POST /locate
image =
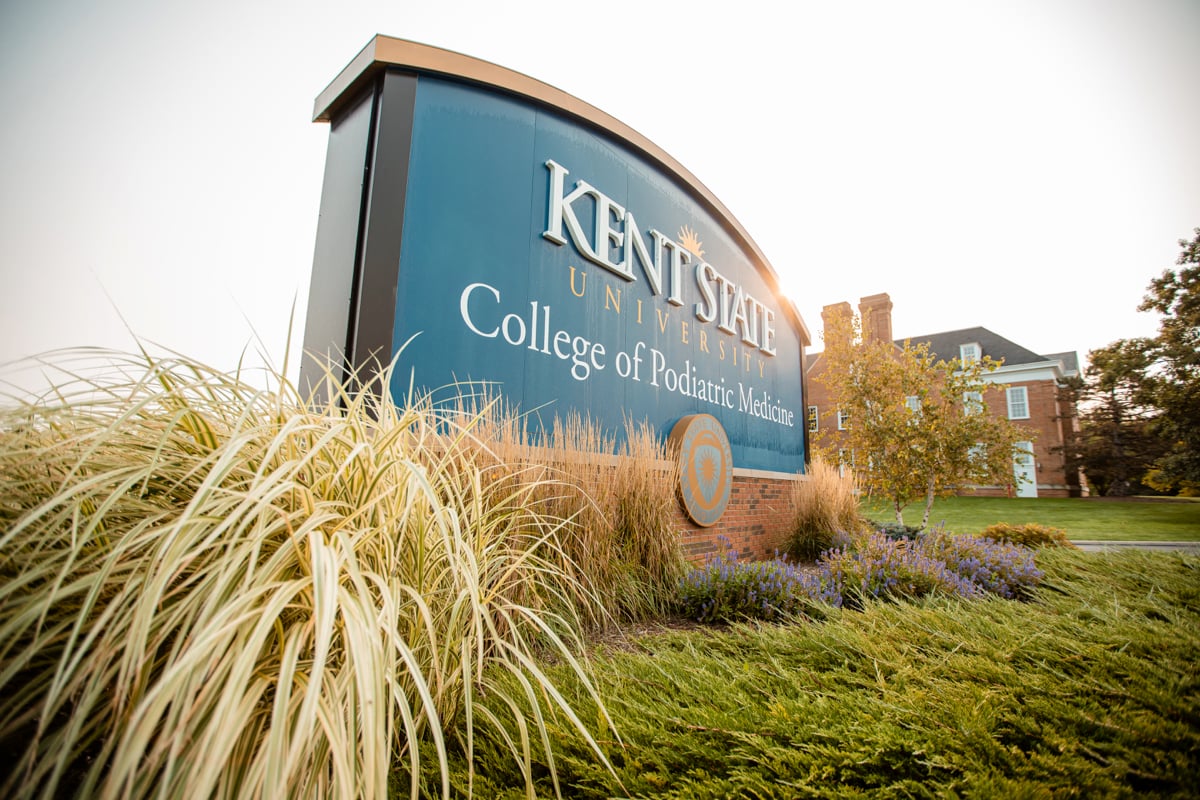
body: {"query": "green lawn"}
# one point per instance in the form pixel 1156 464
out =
pixel 1082 518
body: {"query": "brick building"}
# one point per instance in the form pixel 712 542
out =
pixel 1033 398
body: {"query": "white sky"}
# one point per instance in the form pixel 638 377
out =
pixel 1025 165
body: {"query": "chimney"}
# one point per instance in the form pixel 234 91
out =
pixel 876 313
pixel 833 312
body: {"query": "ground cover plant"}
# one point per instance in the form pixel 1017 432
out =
pixel 212 589
pixel 725 588
pixel 1106 519
pixel 1090 688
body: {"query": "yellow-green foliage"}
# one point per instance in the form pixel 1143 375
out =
pixel 207 589
pixel 913 429
pixel 1088 691
pixel 1031 534
pixel 824 503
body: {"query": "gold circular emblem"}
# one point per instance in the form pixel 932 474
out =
pixel 706 467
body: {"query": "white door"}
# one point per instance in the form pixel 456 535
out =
pixel 1024 471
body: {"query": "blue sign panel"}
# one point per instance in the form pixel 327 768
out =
pixel 554 262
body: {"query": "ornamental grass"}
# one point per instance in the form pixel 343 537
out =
pixel 616 495
pixel 211 589
pixel 824 504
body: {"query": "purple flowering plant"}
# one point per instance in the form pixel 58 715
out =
pixel 877 566
pixel 873 566
pixel 725 588
pixel 1000 568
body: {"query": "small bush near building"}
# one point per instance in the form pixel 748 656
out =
pixel 998 568
pixel 1030 534
pixel 878 567
pixel 894 530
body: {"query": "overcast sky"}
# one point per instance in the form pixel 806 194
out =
pixel 1025 165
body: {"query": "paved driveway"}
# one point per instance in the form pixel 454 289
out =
pixel 1191 548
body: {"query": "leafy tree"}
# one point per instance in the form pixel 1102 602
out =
pixel 918 428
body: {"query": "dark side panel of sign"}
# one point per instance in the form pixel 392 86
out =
pixel 549 260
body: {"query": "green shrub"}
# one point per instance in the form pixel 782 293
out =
pixel 878 567
pixel 208 589
pixel 999 568
pixel 1030 534
pixel 824 503
pixel 894 530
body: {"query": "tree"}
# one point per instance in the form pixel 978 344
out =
pixel 1143 426
pixel 917 429
pixel 1117 444
pixel 1171 382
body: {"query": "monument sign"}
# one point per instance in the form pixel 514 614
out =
pixel 488 227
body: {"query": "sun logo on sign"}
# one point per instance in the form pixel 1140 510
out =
pixel 688 238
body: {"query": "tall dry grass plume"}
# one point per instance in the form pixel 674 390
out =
pixel 208 589
pixel 616 496
pixel 824 503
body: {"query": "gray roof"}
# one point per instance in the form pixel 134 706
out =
pixel 945 347
pixel 1069 359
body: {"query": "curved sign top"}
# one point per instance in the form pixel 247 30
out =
pixel 513 235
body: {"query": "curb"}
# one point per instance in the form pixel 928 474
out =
pixel 1093 546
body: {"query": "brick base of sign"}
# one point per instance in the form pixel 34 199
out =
pixel 754 524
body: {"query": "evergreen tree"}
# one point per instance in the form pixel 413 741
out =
pixel 1118 443
pixel 1171 381
pixel 1143 423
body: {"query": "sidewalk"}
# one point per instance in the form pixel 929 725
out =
pixel 1190 548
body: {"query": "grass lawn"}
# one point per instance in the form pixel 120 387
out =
pixel 1090 689
pixel 1082 518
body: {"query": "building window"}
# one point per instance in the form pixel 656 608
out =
pixel 968 353
pixel 1018 402
pixel 845 462
pixel 812 419
pixel 972 403
pixel 843 420
pixel 914 404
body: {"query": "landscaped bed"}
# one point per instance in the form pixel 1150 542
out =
pixel 212 590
